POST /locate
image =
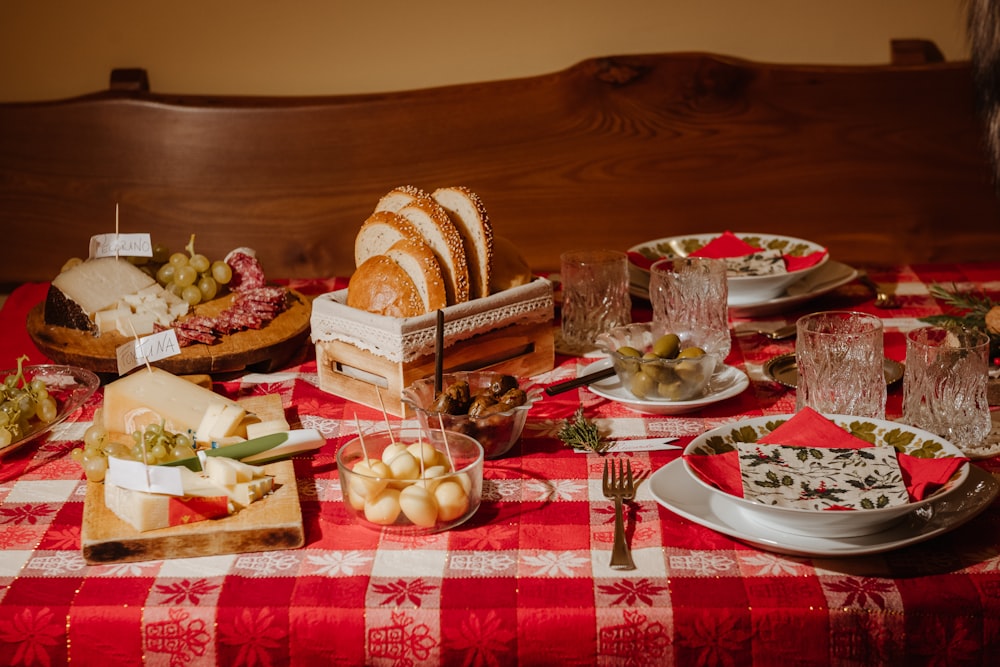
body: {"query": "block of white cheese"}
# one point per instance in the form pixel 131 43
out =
pixel 152 395
pixel 79 294
pixel 149 511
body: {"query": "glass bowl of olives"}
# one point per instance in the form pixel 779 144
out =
pixel 658 365
pixel 490 407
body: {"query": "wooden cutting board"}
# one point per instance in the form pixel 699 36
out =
pixel 270 524
pixel 261 350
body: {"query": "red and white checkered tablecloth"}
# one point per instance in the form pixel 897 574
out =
pixel 525 581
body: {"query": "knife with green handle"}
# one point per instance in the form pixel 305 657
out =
pixel 258 451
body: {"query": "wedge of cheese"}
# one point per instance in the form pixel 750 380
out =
pixel 149 396
pixel 149 511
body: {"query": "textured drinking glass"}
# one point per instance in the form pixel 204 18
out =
pixel 944 384
pixel 841 364
pixel 595 294
pixel 691 294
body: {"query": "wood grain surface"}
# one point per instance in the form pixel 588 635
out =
pixel 881 163
pixel 272 523
pixel 261 350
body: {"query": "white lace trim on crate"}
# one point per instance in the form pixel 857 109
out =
pixel 403 340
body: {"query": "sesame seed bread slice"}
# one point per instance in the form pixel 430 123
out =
pixel 468 213
pixel 399 197
pixel 381 286
pixel 445 241
pixel 379 232
pixel 418 261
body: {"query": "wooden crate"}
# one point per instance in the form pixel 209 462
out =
pixel 518 340
pixel 360 376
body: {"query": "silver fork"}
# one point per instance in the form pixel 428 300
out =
pixel 618 488
pixel 883 299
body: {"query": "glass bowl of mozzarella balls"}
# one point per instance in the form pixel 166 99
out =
pixel 658 365
pixel 488 406
pixel 411 481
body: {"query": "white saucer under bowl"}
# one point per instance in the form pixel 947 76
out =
pixel 726 383
pixel 673 487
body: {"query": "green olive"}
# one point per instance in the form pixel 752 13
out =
pixel 628 351
pixel 692 371
pixel 642 385
pixel 691 353
pixel 670 390
pixel 667 346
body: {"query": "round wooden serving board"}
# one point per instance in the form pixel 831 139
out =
pixel 260 350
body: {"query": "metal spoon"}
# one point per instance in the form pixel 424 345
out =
pixel 787 331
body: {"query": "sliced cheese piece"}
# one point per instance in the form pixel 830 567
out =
pixel 149 511
pixel 228 422
pixel 203 433
pixel 243 493
pixel 152 395
pixel 268 427
pixel 219 473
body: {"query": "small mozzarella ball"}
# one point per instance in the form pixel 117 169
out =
pixel 425 451
pixel 384 508
pixel 392 451
pixel 452 500
pixel 356 501
pixel 434 476
pixel 364 483
pixel 405 466
pixel 466 481
pixel 418 505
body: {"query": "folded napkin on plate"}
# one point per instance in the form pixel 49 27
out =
pixel 728 245
pixel 809 429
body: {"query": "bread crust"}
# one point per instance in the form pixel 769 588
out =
pixel 414 257
pixel 381 286
pixel 468 213
pixel 399 197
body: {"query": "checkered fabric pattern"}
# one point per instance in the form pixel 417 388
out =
pixel 525 581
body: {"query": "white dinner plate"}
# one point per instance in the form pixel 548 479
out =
pixel 726 383
pixel 674 488
pixel 825 279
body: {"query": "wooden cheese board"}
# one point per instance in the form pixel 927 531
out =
pixel 261 350
pixel 270 524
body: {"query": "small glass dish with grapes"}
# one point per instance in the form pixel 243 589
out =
pixel 34 399
pixel 658 365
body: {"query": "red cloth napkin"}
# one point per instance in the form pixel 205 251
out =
pixel 809 428
pixel 728 244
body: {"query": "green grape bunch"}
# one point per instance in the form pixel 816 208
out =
pixel 191 276
pixel 153 445
pixel 24 403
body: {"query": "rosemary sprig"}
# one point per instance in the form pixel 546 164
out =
pixel 581 433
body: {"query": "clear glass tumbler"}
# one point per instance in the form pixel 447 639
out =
pixel 945 384
pixel 841 364
pixel 595 295
pixel 691 294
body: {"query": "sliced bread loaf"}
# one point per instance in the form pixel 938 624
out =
pixel 381 286
pixel 418 261
pixel 445 241
pixel 399 197
pixel 379 232
pixel 468 213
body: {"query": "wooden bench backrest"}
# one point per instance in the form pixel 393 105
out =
pixel 883 164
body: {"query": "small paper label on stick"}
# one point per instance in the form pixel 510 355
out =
pixel 148 349
pixel 120 245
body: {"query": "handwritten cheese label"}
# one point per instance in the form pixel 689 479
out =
pixel 120 245
pixel 149 348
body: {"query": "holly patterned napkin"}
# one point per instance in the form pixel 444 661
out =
pixel 818 478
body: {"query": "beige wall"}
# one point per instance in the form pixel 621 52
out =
pixel 59 48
